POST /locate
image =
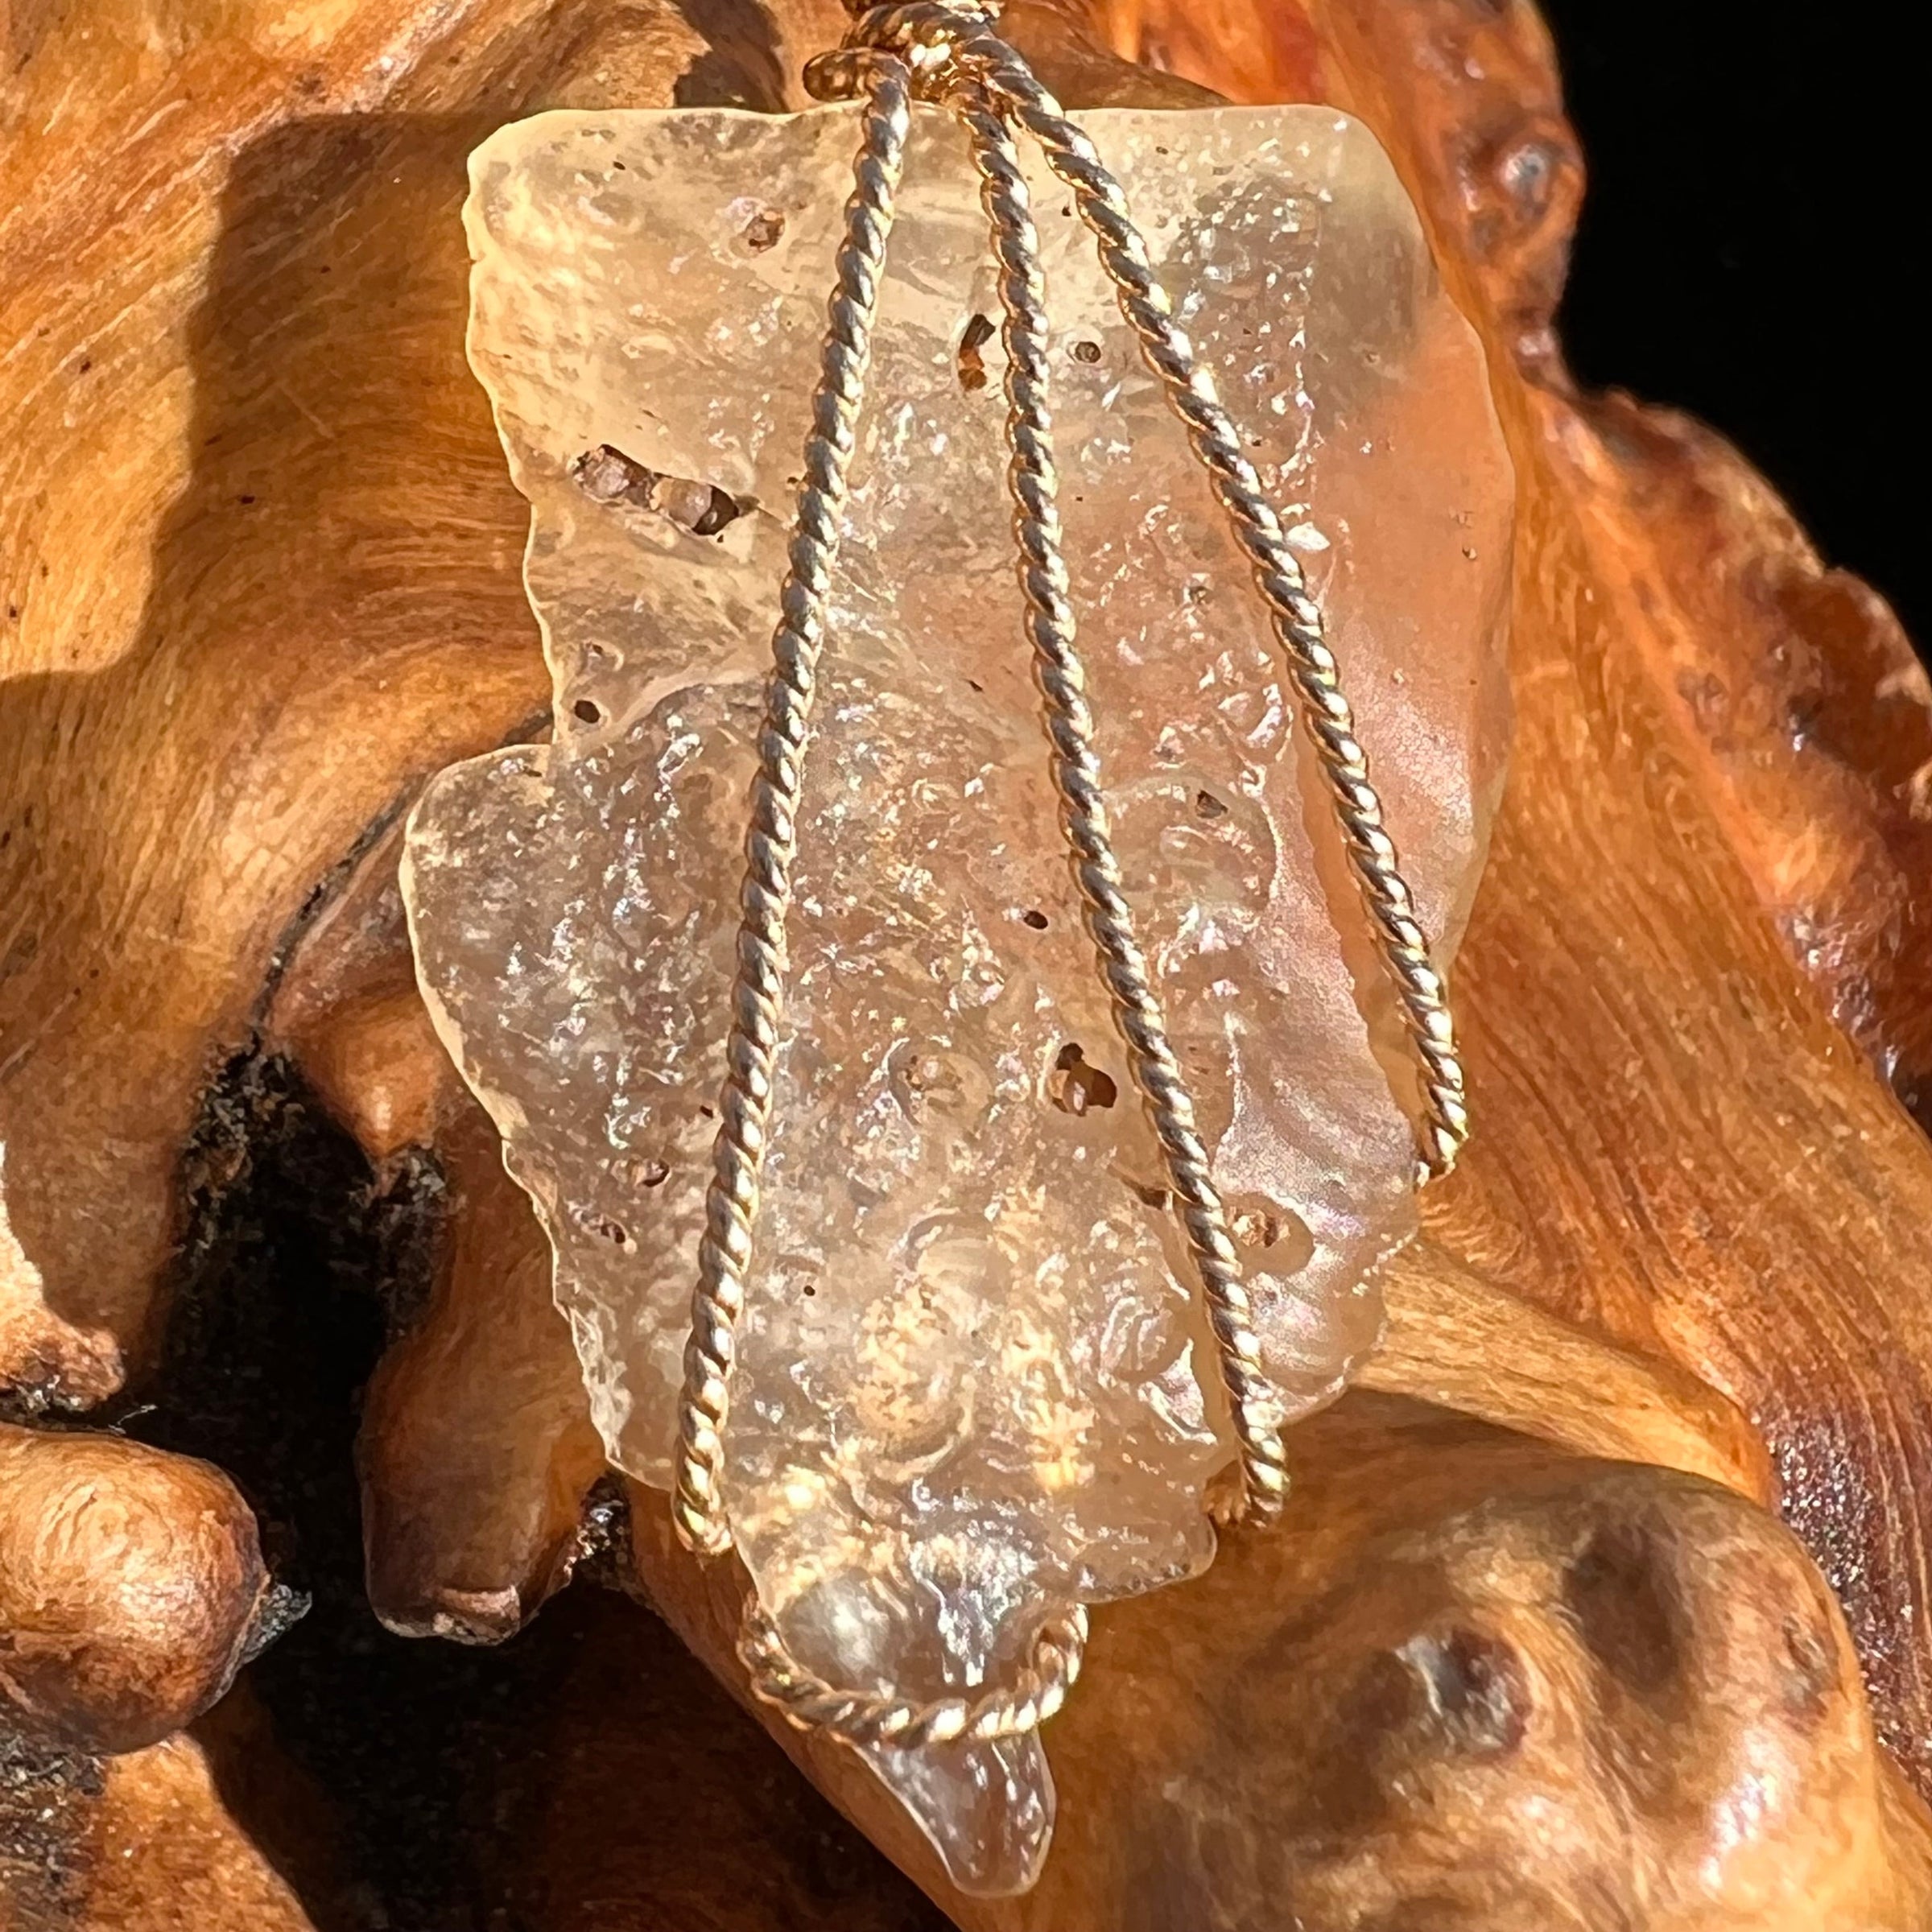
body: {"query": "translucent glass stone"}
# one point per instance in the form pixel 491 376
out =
pixel 969 1382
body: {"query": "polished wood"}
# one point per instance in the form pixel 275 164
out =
pixel 261 562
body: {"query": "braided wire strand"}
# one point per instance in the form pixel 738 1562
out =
pixel 947 53
pixel 808 1700
pixel 731 1201
pixel 972 51
pixel 1033 479
pixel 859 1717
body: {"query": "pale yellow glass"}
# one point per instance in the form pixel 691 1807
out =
pixel 967 1384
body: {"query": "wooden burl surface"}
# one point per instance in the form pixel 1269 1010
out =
pixel 261 578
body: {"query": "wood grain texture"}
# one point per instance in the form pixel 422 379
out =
pixel 260 556
pixel 132 1588
pixel 1679 1147
pixel 1478 1686
pixel 138 1843
pixel 1455 1339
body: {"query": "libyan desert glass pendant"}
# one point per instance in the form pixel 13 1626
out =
pixel 971 1387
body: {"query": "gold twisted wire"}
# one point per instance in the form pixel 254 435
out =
pixel 972 50
pixel 861 1717
pixel 731 1203
pixel 947 53
pixel 1033 479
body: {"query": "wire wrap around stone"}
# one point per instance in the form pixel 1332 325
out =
pixel 948 54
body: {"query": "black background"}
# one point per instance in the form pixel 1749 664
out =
pixel 1756 208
